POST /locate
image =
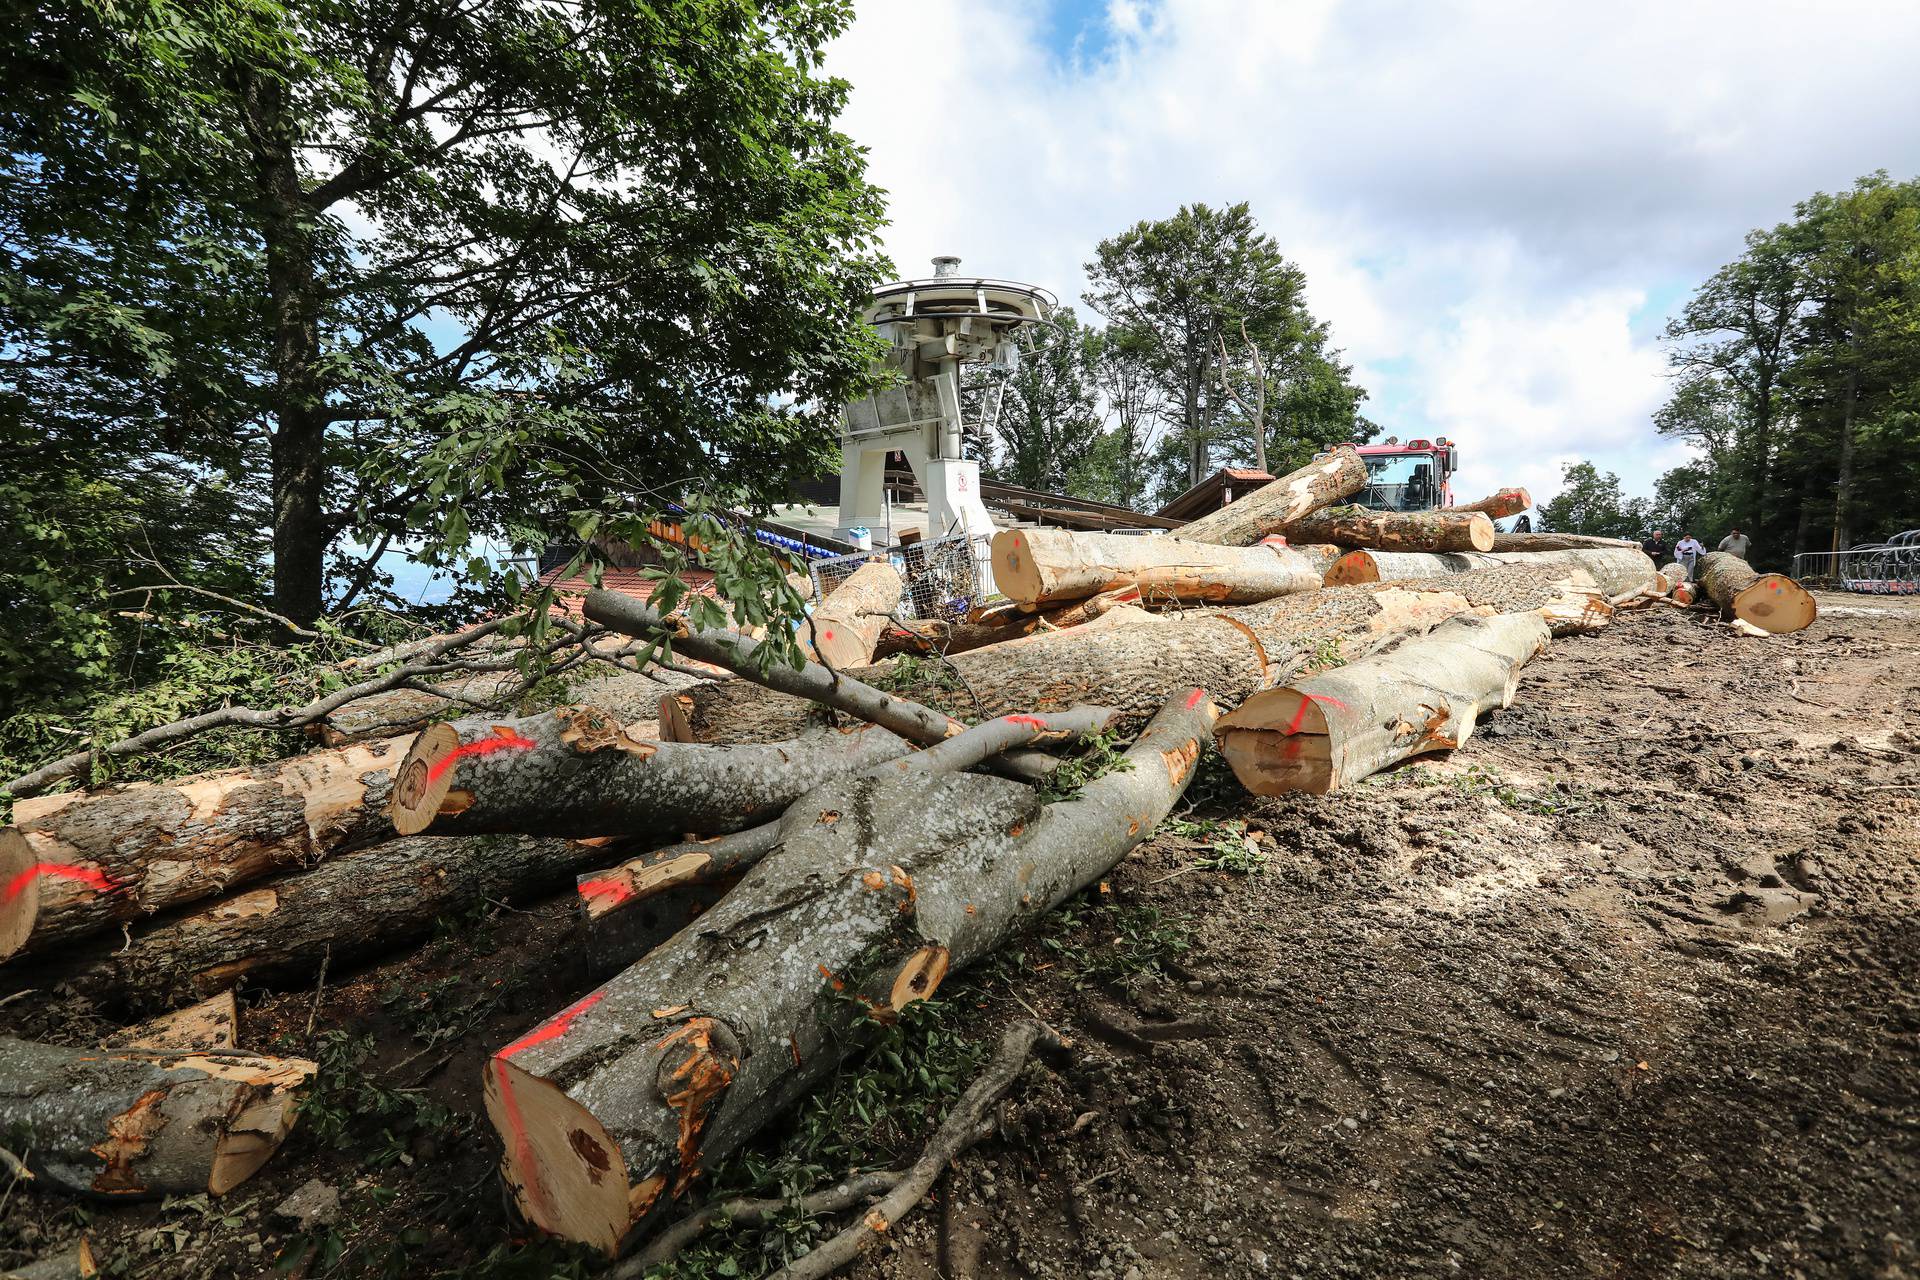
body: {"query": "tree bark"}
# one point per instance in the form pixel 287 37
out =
pixel 1321 555
pixel 1424 694
pixel 139 1124
pixel 1232 652
pixel 1396 531
pixel 1671 576
pixel 848 623
pixel 882 884
pixel 1618 569
pixel 574 771
pixel 1003 623
pixel 1036 567
pixel 77 862
pixel 358 905
pixel 1506 542
pixel 1498 506
pixel 1771 601
pixel 1244 522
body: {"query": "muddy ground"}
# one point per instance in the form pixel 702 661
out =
pixel 1630 986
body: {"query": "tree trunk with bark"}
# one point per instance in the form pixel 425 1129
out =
pixel 1498 506
pixel 575 771
pixel 1036 567
pixel 357 905
pixel 1232 652
pixel 1243 522
pixel 75 863
pixel 849 622
pixel 1672 576
pixel 882 884
pixel 1003 623
pixel 1618 569
pixel 1505 542
pixel 1321 555
pixel 136 1124
pixel 1396 531
pixel 1424 694
pixel 1771 601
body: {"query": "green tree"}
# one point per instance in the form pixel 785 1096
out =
pixel 400 271
pixel 1046 413
pixel 1590 501
pixel 1124 378
pixel 1221 315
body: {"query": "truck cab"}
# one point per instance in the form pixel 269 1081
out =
pixel 1415 476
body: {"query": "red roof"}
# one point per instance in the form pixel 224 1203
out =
pixel 633 582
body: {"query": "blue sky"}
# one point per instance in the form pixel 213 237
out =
pixel 1497 203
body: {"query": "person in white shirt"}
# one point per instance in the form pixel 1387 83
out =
pixel 1688 552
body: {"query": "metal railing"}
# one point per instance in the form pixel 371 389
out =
pixel 1881 568
pixel 941 575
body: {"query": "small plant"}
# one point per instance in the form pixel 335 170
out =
pixel 346 1108
pixel 1102 756
pixel 1145 940
pixel 1229 847
pixel 1324 656
pixel 1479 780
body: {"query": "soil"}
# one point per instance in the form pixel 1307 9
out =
pixel 1628 986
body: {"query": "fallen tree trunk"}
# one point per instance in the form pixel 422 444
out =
pixel 1674 575
pixel 1617 569
pixel 1232 651
pixel 844 628
pixel 1771 601
pixel 1424 694
pixel 1396 531
pixel 575 771
pixel 882 884
pixel 139 1124
pixel 1555 542
pixel 76 863
pixel 1498 506
pixel 1321 555
pixel 1320 483
pixel 1036 567
pixel 358 905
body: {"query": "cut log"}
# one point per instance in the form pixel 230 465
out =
pixel 76 863
pixel 1555 542
pixel 1003 623
pixel 849 622
pixel 882 884
pixel 77 1263
pixel 1321 555
pixel 1133 668
pixel 1507 502
pixel 214 1023
pixel 360 904
pixel 1771 601
pixel 574 771
pixel 1616 569
pixel 1674 575
pixel 1424 694
pixel 1320 483
pixel 138 1124
pixel 1686 594
pixel 1395 530
pixel 1045 566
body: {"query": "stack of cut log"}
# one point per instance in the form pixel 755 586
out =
pixel 1751 602
pixel 844 843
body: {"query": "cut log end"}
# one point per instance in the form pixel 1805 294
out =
pixel 19 891
pixel 425 777
pixel 565 1172
pixel 1354 569
pixel 1014 571
pixel 920 977
pixel 1777 604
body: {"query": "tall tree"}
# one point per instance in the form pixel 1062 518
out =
pixel 1198 292
pixel 410 269
pixel 1046 417
pixel 1591 501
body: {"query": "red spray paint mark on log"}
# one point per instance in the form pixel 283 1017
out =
pixel 553 1029
pixel 99 880
pixel 1307 700
pixel 615 890
pixel 1193 699
pixel 1031 722
pixel 503 741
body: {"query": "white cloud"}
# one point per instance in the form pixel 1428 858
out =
pixel 1483 193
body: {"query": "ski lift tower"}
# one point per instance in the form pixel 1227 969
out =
pixel 932 327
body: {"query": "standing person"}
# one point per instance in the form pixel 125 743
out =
pixel 1656 548
pixel 1688 552
pixel 1736 543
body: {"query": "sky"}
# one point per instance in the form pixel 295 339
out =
pixel 1497 204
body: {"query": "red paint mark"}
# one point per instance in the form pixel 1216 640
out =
pixel 1193 699
pixel 508 741
pixel 554 1027
pixel 93 876
pixel 827 634
pixel 522 1144
pixel 618 890
pixel 1032 722
pixel 1307 700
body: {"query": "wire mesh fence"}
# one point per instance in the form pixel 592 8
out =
pixel 941 575
pixel 1883 568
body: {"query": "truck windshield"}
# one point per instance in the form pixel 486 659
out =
pixel 1402 482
